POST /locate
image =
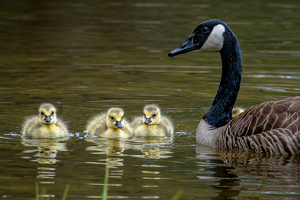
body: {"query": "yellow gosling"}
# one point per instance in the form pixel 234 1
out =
pixel 236 111
pixel 45 125
pixel 152 123
pixel 110 125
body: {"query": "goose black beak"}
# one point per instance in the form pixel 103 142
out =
pixel 47 119
pixel 118 124
pixel 148 121
pixel 184 47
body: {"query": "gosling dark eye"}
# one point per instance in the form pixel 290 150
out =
pixel 112 118
pixel 52 113
pixel 122 118
pixel 154 115
pixel 204 30
pixel 42 113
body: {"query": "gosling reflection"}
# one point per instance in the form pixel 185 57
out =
pixel 152 123
pixel 47 149
pixel 110 146
pixel 155 147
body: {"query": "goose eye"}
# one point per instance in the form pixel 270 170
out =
pixel 112 118
pixel 52 113
pixel 42 113
pixel 204 30
pixel 122 118
pixel 154 115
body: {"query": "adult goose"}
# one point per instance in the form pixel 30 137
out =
pixel 270 127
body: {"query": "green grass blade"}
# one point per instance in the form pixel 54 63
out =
pixel 36 191
pixel 177 195
pixel 104 193
pixel 66 192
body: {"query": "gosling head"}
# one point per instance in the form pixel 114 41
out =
pixel 115 118
pixel 208 35
pixel 47 114
pixel 151 114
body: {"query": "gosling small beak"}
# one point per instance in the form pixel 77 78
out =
pixel 148 121
pixel 47 118
pixel 118 124
pixel 184 47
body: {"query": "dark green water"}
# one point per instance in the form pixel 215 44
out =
pixel 85 57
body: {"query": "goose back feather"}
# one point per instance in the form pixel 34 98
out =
pixel 270 127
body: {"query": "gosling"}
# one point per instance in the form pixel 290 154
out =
pixel 110 125
pixel 236 111
pixel 45 125
pixel 152 123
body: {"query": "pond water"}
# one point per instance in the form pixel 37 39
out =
pixel 85 57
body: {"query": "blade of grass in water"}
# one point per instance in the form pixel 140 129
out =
pixel 36 191
pixel 104 193
pixel 177 195
pixel 66 192
pixel 44 191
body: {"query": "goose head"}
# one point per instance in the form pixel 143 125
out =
pixel 47 114
pixel 115 118
pixel 208 35
pixel 151 114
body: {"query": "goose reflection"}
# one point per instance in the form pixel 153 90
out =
pixel 248 172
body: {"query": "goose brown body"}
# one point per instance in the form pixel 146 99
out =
pixel 271 127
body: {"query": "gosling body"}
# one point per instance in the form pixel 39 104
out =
pixel 45 125
pixel 110 125
pixel 152 123
pixel 236 111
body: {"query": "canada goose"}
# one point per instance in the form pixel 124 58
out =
pixel 270 127
pixel 110 124
pixel 152 123
pixel 236 111
pixel 45 125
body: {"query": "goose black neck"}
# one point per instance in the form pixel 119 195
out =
pixel 221 109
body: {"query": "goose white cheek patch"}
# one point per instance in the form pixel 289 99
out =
pixel 215 40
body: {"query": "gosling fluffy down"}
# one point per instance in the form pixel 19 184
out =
pixel 46 124
pixel 236 111
pixel 110 125
pixel 152 123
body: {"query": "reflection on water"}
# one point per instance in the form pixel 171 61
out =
pixel 47 149
pixel 238 173
pixel 110 146
pixel 89 56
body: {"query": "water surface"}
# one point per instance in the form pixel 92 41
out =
pixel 85 57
